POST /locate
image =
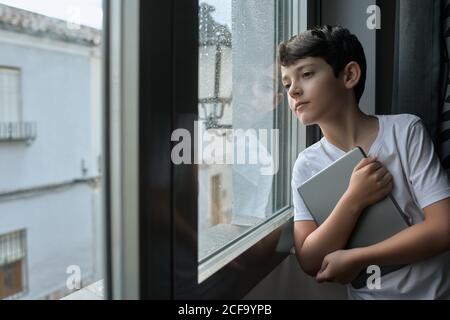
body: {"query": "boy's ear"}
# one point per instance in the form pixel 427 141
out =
pixel 352 74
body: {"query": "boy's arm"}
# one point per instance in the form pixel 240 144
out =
pixel 313 243
pixel 369 183
pixel 418 242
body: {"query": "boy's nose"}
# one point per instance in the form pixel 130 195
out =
pixel 295 91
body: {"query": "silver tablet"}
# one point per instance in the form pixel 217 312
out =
pixel 376 223
pixel 322 192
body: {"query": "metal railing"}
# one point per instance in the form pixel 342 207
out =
pixel 18 131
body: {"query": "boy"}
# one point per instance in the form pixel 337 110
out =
pixel 323 71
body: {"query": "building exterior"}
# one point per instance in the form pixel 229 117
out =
pixel 50 151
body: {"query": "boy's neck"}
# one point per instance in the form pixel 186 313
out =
pixel 350 129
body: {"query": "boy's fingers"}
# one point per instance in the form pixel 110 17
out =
pixel 364 162
pixel 380 172
pixel 373 167
pixel 323 266
pixel 386 178
pixel 322 276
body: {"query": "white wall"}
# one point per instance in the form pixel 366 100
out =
pixel 61 92
pixel 352 14
pixel 60 231
pixel 56 95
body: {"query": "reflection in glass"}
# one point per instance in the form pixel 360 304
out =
pixel 239 122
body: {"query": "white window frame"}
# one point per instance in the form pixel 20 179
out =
pixel 124 139
pixel 18 107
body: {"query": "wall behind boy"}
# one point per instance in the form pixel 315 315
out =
pixel 352 14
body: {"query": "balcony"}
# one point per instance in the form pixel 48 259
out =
pixel 18 131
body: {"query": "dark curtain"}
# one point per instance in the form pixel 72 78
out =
pixel 420 80
pixel 418 62
pixel 444 141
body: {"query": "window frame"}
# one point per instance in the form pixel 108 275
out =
pixel 18 129
pixel 121 139
pixel 161 219
pixel 19 90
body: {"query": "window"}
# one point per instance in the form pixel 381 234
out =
pixel 12 264
pixel 51 79
pixel 10 110
pixel 246 134
pixel 12 126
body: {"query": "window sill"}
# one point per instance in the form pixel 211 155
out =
pixel 216 237
pixel 93 292
pixel 218 260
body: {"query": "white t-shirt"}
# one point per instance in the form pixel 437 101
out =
pixel 405 148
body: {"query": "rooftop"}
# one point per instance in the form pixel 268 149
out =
pixel 23 21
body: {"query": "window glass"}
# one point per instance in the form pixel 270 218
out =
pixel 51 147
pixel 243 172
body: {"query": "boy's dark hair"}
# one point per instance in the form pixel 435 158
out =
pixel 335 44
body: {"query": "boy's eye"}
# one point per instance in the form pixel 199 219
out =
pixel 308 74
pixel 287 86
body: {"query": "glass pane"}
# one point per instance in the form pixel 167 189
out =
pixel 243 172
pixel 51 209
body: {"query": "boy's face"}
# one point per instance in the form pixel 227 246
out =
pixel 314 93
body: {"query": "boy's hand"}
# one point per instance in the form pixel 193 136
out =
pixel 370 182
pixel 339 266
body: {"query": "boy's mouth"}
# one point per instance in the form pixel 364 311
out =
pixel 300 106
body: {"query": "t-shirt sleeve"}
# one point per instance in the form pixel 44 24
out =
pixel 427 177
pixel 301 212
